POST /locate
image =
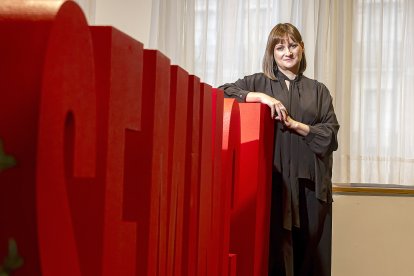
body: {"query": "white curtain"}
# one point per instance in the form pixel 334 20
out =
pixel 221 40
pixel 361 49
pixel 382 136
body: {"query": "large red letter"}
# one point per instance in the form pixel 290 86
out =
pixel 177 167
pixel 24 30
pixel 230 176
pixel 206 178
pixel 213 260
pixel 251 215
pixel 147 164
pixel 119 66
pixel 67 111
pixel 192 178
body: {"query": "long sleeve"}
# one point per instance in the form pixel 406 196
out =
pixel 322 138
pixel 242 87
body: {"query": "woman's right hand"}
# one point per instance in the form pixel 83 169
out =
pixel 277 110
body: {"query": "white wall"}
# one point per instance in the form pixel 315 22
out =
pixel 373 235
pixel 133 17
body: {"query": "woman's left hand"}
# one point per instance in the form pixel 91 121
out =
pixel 298 127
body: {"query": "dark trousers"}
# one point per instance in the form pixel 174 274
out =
pixel 304 251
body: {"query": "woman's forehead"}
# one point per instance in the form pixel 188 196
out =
pixel 284 39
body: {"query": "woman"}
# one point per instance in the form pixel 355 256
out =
pixel 305 137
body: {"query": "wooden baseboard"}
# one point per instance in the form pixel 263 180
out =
pixel 372 191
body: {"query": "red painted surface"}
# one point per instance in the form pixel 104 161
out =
pixel 177 169
pixel 216 229
pixel 231 171
pixel 232 265
pixel 22 56
pixel 150 161
pixel 206 178
pixel 251 209
pixel 126 165
pixel 192 179
pixel 66 141
pixel 119 67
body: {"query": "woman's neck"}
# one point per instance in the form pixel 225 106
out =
pixel 291 75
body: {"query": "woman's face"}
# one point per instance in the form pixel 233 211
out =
pixel 288 55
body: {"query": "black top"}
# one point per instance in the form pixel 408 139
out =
pixel 307 101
